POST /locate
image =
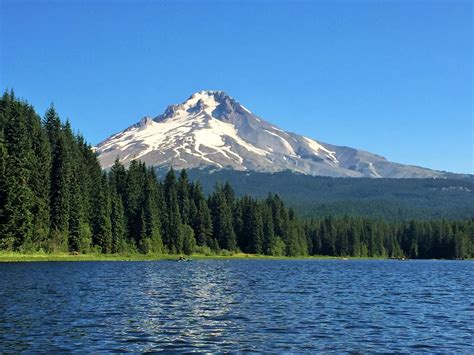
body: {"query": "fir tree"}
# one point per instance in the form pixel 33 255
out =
pixel 117 220
pixel 136 177
pixel 3 180
pixel 19 198
pixel 172 221
pixel 183 197
pixel 152 242
pixel 255 229
pixel 101 223
pixel 40 168
pixel 222 221
pixel 201 220
pixel 60 180
pixel 269 239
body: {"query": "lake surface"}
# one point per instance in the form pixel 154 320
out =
pixel 238 305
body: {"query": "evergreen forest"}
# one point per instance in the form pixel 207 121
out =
pixel 54 197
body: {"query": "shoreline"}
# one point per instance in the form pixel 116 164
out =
pixel 12 257
pixel 43 257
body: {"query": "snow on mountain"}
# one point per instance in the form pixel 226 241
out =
pixel 212 129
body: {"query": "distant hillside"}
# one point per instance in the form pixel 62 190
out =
pixel 396 199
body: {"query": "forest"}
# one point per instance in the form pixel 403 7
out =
pixel 54 197
pixel 320 196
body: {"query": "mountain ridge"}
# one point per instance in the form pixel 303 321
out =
pixel 211 128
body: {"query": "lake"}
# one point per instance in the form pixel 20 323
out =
pixel 238 305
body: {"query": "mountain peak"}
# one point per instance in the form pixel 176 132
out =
pixel 209 93
pixel 210 128
pixel 213 103
pixel 209 98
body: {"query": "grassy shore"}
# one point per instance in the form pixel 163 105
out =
pixel 29 257
pixel 8 257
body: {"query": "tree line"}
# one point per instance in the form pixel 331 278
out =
pixel 319 196
pixel 54 196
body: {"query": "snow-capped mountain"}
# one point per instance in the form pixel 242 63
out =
pixel 212 129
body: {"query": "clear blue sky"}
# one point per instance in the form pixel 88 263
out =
pixel 391 77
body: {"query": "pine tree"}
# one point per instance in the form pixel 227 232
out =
pixel 222 221
pixel 354 240
pixel 75 218
pixel 101 223
pixel 117 220
pixel 60 180
pixel 256 229
pixel 118 179
pixel 17 230
pixel 244 209
pixel 292 247
pixel 238 224
pixel 152 242
pixel 183 197
pixel 189 242
pixel 40 174
pixel 279 214
pixel 136 177
pixel 229 195
pixel 313 232
pixel 3 180
pixel 201 220
pixel 172 221
pixel 341 241
pixel 269 240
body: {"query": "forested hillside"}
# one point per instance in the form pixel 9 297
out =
pixel 55 197
pixel 318 196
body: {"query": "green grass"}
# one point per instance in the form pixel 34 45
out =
pixel 30 257
pixel 26 257
pixel 38 256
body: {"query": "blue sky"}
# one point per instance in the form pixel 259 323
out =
pixel 391 77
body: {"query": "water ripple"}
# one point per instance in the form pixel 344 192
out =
pixel 238 306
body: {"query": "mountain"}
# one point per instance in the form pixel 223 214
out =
pixel 211 129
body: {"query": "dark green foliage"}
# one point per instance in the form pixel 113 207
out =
pixel 200 216
pixel 3 181
pixel 17 228
pixel 54 196
pixel 319 196
pixel 376 238
pixel 117 220
pixel 172 220
pixel 251 233
pixel 151 240
pixel 101 212
pixel 61 175
pixel 296 241
pixel 183 197
pixel 269 238
pixel 188 240
pixel 222 226
pixel 133 201
pixel 39 179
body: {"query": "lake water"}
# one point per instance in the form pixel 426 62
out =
pixel 238 305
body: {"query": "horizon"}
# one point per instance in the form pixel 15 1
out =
pixel 352 78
